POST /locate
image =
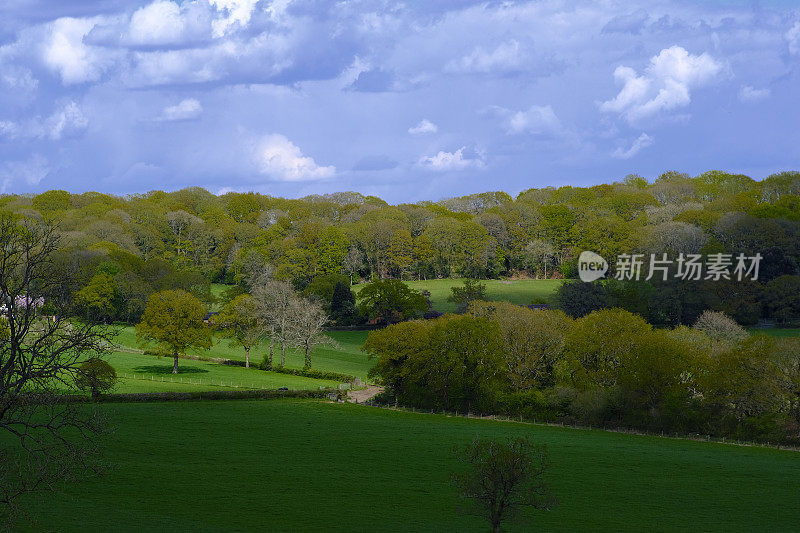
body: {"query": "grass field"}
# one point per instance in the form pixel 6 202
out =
pixel 197 375
pixel 777 332
pixel 522 292
pixel 288 465
pixel 347 358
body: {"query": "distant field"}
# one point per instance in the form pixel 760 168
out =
pixel 776 332
pixel 347 358
pixel 287 465
pixel 521 292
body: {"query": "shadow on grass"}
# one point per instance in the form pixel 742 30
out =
pixel 167 369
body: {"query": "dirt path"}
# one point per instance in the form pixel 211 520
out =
pixel 361 396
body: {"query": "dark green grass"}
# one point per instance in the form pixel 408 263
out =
pixel 776 332
pixel 154 374
pixel 347 358
pixel 286 465
pixel 521 292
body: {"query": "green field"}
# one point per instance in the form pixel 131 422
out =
pixel 347 358
pixel 291 465
pixel 776 332
pixel 148 373
pixel 522 292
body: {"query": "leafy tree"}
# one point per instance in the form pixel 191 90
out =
pixel 391 301
pixel 503 479
pixel 238 320
pixel 578 299
pixel 471 290
pixel 533 341
pixel 343 304
pixel 782 299
pixel 97 298
pixel 174 321
pixel 96 376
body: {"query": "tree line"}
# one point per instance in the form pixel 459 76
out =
pixel 608 368
pixel 125 248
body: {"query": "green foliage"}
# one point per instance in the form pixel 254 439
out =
pixel 239 321
pixel 95 376
pixel 97 297
pixel 462 296
pixel 173 320
pixel 449 363
pixel 391 301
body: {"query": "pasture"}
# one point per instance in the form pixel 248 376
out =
pixel 290 465
pixel 149 373
pixel 521 292
pixel 346 358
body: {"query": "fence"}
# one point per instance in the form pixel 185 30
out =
pixel 197 381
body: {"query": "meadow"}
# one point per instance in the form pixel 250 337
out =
pixel 521 292
pixel 289 465
pixel 346 358
pixel 149 373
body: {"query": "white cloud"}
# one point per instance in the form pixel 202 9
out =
pixel 188 109
pixel 65 52
pixel 66 121
pixel 642 142
pixel 539 120
pixel 444 161
pixel 665 84
pixel 280 159
pixel 424 126
pixel 32 171
pixel 793 39
pixel 751 94
pixel 236 11
pixel 157 23
pixel 505 58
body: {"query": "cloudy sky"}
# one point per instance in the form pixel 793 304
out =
pixel 409 101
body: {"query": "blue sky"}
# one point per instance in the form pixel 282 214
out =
pixel 408 101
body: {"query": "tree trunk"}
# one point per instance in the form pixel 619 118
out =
pixel 271 350
pixel 175 364
pixel 307 361
pixel 283 355
pixel 247 357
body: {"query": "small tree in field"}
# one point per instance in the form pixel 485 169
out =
pixel 174 321
pixel 469 292
pixel 503 479
pixel 238 321
pixel 96 376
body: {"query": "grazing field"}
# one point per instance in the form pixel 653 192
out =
pixel 290 465
pixel 346 358
pixel 776 332
pixel 154 374
pixel 522 292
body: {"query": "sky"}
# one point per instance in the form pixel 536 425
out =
pixel 409 101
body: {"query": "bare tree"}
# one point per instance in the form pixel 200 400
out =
pixel 503 479
pixel 40 360
pixel 308 320
pixel 274 301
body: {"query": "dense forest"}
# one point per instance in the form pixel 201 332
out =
pixel 128 247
